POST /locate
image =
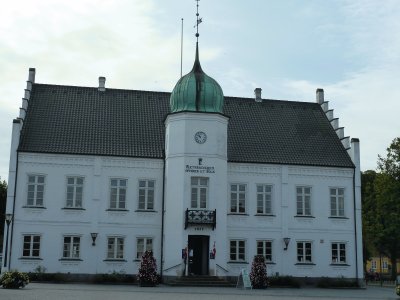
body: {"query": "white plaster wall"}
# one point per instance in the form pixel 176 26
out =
pixel 53 221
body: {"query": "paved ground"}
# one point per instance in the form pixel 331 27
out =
pixel 46 291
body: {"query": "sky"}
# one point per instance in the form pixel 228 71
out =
pixel 289 48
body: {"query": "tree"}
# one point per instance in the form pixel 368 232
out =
pixel 258 274
pixel 3 200
pixel 148 270
pixel 387 217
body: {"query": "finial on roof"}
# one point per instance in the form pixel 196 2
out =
pixel 199 20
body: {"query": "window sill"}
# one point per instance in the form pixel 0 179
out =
pixel 114 260
pixel 307 217
pixel 340 218
pixel 73 208
pixel 70 259
pixel 117 209
pixel 137 260
pixel 339 265
pixel 304 264
pixel 31 258
pixel 146 210
pixel 238 262
pixel 39 207
pixel 270 263
pixel 237 214
pixel 265 215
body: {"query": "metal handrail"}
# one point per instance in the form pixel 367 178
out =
pixel 200 217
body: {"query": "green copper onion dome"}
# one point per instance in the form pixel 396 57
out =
pixel 196 91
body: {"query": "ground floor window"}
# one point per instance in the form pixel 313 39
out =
pixel 71 247
pixel 143 244
pixel 304 252
pixel 31 247
pixel 338 253
pixel 264 248
pixel 237 250
pixel 115 248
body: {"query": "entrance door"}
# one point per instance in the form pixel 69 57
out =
pixel 198 263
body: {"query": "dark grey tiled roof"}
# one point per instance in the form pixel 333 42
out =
pixel 82 120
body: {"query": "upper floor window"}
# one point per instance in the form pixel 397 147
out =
pixel 338 253
pixel 304 254
pixel 237 250
pixel 337 202
pixel 142 245
pixel 238 198
pixel 74 192
pixel 71 247
pixel 118 194
pixel 303 197
pixel 199 192
pixel 146 194
pixel 115 248
pixel 264 248
pixel 35 190
pixel 264 199
pixel 31 247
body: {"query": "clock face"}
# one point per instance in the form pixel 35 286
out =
pixel 200 137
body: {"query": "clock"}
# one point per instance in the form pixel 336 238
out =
pixel 200 137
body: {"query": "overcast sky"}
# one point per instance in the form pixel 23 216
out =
pixel 289 48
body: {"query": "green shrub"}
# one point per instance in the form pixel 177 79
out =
pixel 283 281
pixel 326 282
pixel 14 280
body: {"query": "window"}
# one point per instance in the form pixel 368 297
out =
pixel 146 194
pixel 237 250
pixel 118 193
pixel 373 264
pixel 143 245
pixel 264 248
pixel 304 252
pixel 199 192
pixel 303 201
pixel 71 247
pixel 264 196
pixel 337 202
pixel 74 192
pixel 338 253
pixel 238 198
pixel 35 190
pixel 115 248
pixel 31 246
pixel 384 265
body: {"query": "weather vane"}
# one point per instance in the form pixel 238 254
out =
pixel 199 20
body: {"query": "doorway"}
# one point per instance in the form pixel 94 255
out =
pixel 198 258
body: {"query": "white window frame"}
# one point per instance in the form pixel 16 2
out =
pixel 76 195
pixel 373 264
pixel 337 202
pixel 337 256
pixel 72 248
pixel 235 207
pixel 115 253
pixel 120 191
pixel 304 257
pixel 146 194
pixel 146 245
pixel 31 243
pixel 264 199
pixel 303 201
pixel 236 245
pixel 198 191
pixel 33 198
pixel 266 249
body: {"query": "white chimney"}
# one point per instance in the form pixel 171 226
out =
pixel 257 94
pixel 102 84
pixel 335 123
pixel 32 73
pixel 340 132
pixel 320 96
pixel 329 114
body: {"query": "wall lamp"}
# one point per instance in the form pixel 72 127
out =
pixel 286 240
pixel 94 236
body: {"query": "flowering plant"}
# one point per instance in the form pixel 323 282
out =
pixel 258 274
pixel 148 269
pixel 14 280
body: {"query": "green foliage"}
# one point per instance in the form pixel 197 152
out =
pixel 14 280
pixel 326 282
pixel 258 274
pixel 283 281
pixel 3 200
pixel 148 269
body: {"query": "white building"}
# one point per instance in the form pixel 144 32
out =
pixel 151 170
